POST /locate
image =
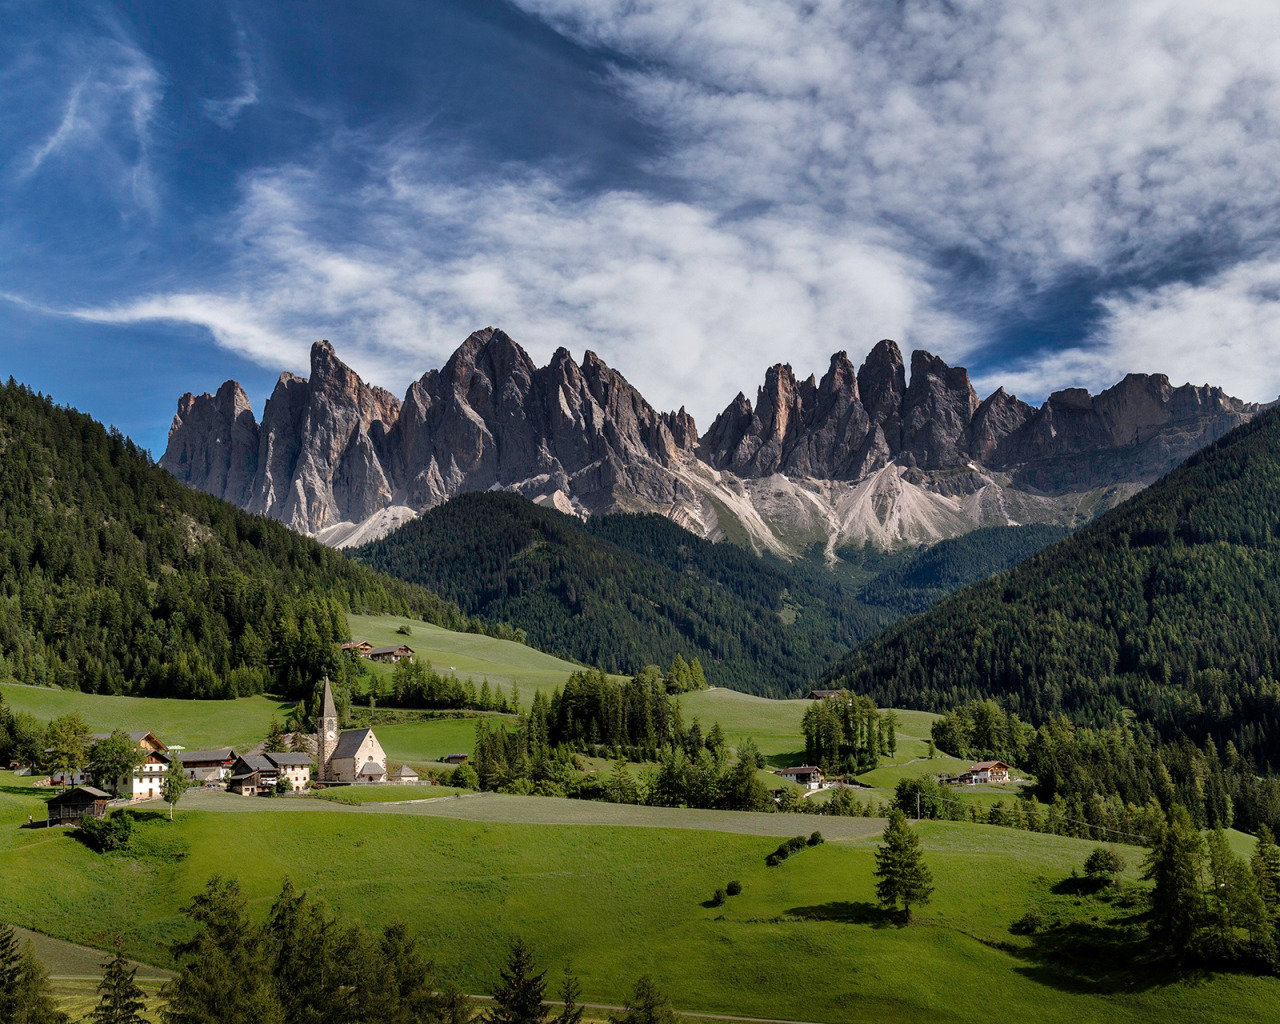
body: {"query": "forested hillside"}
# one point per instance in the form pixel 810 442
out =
pixel 622 591
pixel 1167 608
pixel 116 578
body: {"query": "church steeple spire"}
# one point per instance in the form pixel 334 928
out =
pixel 326 732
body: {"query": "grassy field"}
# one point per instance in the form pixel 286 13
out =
pixel 427 742
pixel 195 724
pixel 502 662
pixel 802 942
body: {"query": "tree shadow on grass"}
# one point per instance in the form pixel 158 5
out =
pixel 1102 957
pixel 848 913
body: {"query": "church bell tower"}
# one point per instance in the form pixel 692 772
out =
pixel 326 733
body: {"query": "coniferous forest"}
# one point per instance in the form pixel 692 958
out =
pixel 115 578
pixel 1165 613
pixel 622 591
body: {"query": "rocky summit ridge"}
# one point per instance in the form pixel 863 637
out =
pixel 865 456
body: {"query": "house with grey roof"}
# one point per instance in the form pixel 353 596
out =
pixel 208 765
pixel 261 772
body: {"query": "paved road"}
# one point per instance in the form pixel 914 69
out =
pixel 537 810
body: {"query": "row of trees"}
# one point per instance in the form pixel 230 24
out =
pixel 304 966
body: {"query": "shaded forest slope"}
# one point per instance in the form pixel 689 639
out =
pixel 1167 607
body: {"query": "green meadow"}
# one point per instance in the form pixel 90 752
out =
pixel 467 655
pixel 803 941
pixel 195 724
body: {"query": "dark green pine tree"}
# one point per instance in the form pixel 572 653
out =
pixel 24 984
pixel 1175 866
pixel 902 876
pixel 647 1005
pixel 120 1000
pixel 221 978
pixel 570 1009
pixel 520 991
pixel 1266 870
pixel 274 743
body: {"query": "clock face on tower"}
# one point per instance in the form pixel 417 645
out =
pixel 329 735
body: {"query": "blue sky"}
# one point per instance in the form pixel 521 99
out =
pixel 695 189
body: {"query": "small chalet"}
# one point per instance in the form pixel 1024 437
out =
pixel 391 655
pixel 986 771
pixel 404 774
pixel 70 807
pixel 208 765
pixel 454 759
pixel 360 648
pixel 245 783
pixel 807 775
pixel 823 694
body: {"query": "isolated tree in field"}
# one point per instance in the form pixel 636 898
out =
pixel 175 783
pixel 647 1005
pixel 520 991
pixel 120 1000
pixel 902 876
pixel 274 743
pixel 66 744
pixel 113 760
pixel 1175 866
pixel 1104 864
pixel 570 990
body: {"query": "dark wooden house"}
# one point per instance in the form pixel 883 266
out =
pixel 67 808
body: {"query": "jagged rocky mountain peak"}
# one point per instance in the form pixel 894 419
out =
pixel 866 456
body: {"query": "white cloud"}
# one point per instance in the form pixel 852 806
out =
pixel 833 160
pixel 104 129
pixel 1225 331
pixel 226 112
pixel 689 308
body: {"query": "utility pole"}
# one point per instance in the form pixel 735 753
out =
pixel 917 806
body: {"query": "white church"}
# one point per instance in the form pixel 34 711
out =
pixel 351 756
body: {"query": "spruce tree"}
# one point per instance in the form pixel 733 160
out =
pixel 25 997
pixel 1175 865
pixel 570 1010
pixel 520 991
pixel 647 1005
pixel 1266 870
pixel 120 1000
pixel 902 874
pixel 274 743
pixel 221 978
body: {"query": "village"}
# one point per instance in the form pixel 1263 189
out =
pixel 341 758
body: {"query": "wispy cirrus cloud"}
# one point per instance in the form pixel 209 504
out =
pixel 100 126
pixel 823 175
pixel 690 307
pixel 226 112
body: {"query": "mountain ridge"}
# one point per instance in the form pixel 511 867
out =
pixel 860 457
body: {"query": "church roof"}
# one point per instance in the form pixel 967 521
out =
pixel 404 771
pixel 372 768
pixel 349 742
pixel 327 708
